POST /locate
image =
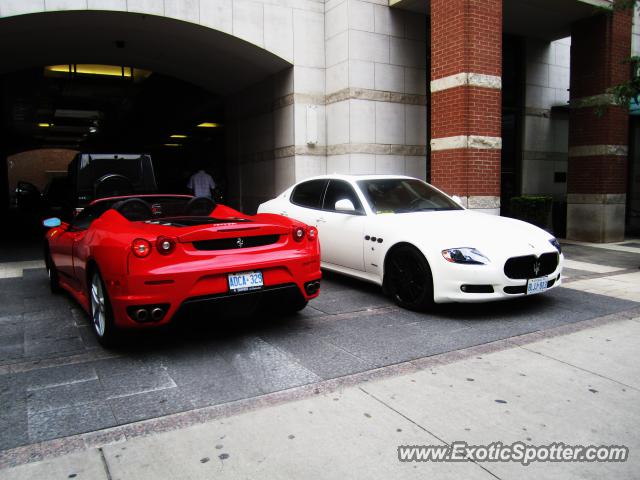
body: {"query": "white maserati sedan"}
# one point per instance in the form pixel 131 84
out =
pixel 418 243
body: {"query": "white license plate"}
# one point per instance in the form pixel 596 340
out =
pixel 241 282
pixel 536 285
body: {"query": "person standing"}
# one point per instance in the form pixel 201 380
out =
pixel 201 184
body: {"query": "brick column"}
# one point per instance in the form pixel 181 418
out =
pixel 597 173
pixel 466 100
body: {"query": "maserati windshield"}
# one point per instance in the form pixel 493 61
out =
pixel 403 195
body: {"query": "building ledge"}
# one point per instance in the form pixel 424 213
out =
pixel 544 19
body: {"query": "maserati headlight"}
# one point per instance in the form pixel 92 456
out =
pixel 556 244
pixel 467 255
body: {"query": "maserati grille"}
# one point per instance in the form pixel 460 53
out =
pixel 530 266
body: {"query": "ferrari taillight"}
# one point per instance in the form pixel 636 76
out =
pixel 141 248
pixel 312 233
pixel 298 234
pixel 165 245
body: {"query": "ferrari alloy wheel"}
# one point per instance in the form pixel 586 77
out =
pixel 409 279
pixel 101 315
pixel 54 283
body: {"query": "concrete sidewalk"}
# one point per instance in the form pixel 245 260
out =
pixel 577 384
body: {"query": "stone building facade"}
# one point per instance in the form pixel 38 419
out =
pixel 484 98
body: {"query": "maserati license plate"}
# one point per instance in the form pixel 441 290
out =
pixel 242 282
pixel 536 285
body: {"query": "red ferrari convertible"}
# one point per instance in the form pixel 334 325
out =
pixel 139 261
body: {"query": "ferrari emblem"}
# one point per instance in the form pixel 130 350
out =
pixel 156 209
pixel 239 242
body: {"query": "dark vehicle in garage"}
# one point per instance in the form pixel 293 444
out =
pixel 100 175
pixel 89 176
pixel 55 199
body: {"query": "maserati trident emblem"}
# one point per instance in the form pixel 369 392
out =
pixel 536 267
pixel 239 242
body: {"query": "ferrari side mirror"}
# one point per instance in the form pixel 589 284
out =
pixel 52 222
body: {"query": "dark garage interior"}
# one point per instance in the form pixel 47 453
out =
pixel 96 112
pixel 116 82
pixel 99 112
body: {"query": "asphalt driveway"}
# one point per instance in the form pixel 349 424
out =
pixel 55 380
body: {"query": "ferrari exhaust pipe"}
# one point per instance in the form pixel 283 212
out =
pixel 312 287
pixel 142 315
pixel 148 313
pixel 157 314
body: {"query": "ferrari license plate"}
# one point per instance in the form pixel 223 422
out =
pixel 242 282
pixel 536 285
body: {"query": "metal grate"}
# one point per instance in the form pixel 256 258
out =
pixel 236 242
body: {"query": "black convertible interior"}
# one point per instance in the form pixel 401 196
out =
pixel 178 211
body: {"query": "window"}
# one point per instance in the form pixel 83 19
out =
pixel 309 194
pixel 402 195
pixel 340 190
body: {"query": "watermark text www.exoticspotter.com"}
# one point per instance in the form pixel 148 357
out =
pixel 518 452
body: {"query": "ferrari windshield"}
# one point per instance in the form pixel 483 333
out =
pixel 403 195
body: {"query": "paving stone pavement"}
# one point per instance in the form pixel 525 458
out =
pixel 56 381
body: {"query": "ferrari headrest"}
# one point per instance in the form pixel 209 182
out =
pixel 199 207
pixel 133 209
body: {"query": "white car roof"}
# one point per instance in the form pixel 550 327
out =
pixel 354 178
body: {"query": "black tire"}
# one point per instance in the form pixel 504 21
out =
pixel 294 306
pixel 113 185
pixel 408 279
pixel 100 312
pixel 279 306
pixel 52 272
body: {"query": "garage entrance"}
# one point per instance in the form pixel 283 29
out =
pixel 118 82
pixel 58 111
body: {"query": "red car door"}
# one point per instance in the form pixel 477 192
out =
pixel 80 252
pixel 62 254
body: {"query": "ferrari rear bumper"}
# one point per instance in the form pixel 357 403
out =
pixel 188 289
pixel 243 302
